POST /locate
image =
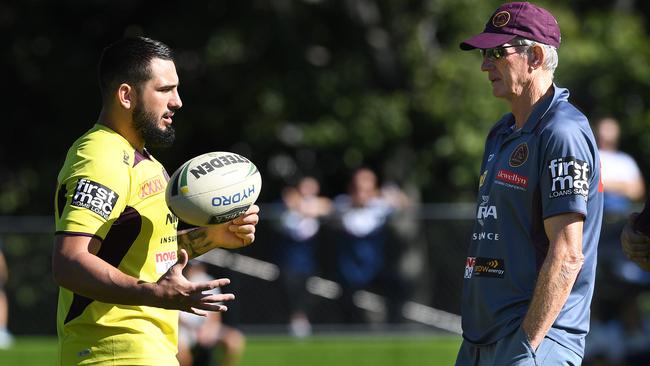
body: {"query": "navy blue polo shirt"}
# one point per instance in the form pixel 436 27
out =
pixel 549 167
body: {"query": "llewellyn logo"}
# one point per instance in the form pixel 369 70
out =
pixel 95 197
pixel 512 179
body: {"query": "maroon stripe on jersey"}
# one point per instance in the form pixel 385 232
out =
pixel 61 199
pixel 140 156
pixel 118 241
pixel 76 233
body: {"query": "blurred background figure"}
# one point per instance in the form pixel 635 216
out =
pixel 619 330
pixel 6 339
pixel 624 186
pixel 620 338
pixel 621 176
pixel 198 336
pixel 300 223
pixel 365 246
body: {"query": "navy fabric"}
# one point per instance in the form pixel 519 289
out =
pixel 515 350
pixel 549 167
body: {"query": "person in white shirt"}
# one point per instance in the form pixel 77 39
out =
pixel 621 176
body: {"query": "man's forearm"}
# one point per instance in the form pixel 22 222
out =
pixel 196 241
pixel 554 283
pixel 90 276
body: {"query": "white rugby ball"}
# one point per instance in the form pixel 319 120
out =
pixel 213 188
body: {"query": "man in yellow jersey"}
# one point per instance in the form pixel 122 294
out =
pixel 118 257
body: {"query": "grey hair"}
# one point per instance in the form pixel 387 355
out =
pixel 550 52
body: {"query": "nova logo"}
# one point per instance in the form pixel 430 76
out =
pixel 164 260
pixel 233 199
pixel 484 210
pixel 165 257
pixel 95 197
pixel 569 176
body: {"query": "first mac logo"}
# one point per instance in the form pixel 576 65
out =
pixel 94 196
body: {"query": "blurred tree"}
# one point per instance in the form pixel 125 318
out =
pixel 311 86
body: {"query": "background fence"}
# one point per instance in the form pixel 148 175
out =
pixel 428 245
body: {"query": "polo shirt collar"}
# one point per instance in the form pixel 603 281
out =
pixel 559 95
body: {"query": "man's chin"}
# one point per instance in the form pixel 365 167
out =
pixel 160 137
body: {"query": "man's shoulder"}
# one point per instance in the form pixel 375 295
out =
pixel 99 151
pixel 564 117
pixel 102 143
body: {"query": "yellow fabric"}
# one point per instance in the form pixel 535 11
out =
pixel 103 192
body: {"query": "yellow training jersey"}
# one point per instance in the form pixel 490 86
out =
pixel 108 190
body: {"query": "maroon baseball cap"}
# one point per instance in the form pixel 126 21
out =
pixel 521 19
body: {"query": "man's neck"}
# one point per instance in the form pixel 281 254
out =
pixel 523 105
pixel 123 125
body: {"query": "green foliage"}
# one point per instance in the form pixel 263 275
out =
pixel 325 86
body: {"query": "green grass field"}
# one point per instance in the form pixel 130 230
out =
pixel 284 351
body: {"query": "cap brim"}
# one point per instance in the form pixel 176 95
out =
pixel 486 40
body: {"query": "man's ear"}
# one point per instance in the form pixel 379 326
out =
pixel 126 96
pixel 536 59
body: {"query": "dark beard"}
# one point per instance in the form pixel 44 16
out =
pixel 146 123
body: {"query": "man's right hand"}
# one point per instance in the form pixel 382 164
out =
pixel 636 245
pixel 177 292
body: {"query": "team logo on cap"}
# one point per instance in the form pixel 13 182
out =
pixel 519 155
pixel 500 19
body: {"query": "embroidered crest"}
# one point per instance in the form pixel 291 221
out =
pixel 500 19
pixel 519 155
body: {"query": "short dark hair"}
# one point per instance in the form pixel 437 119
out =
pixel 128 61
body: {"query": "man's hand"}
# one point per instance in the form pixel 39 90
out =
pixel 176 292
pixel 636 245
pixel 237 233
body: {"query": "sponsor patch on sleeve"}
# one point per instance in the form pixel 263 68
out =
pixel 569 177
pixel 95 197
pixel 484 267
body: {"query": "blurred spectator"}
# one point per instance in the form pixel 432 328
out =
pixel 623 340
pixel 621 176
pixel 623 184
pixel 5 337
pixel 300 223
pixel 198 336
pixel 364 244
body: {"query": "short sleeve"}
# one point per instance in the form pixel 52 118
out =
pixel 91 195
pixel 568 170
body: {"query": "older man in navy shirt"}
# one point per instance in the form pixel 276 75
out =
pixel 529 274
